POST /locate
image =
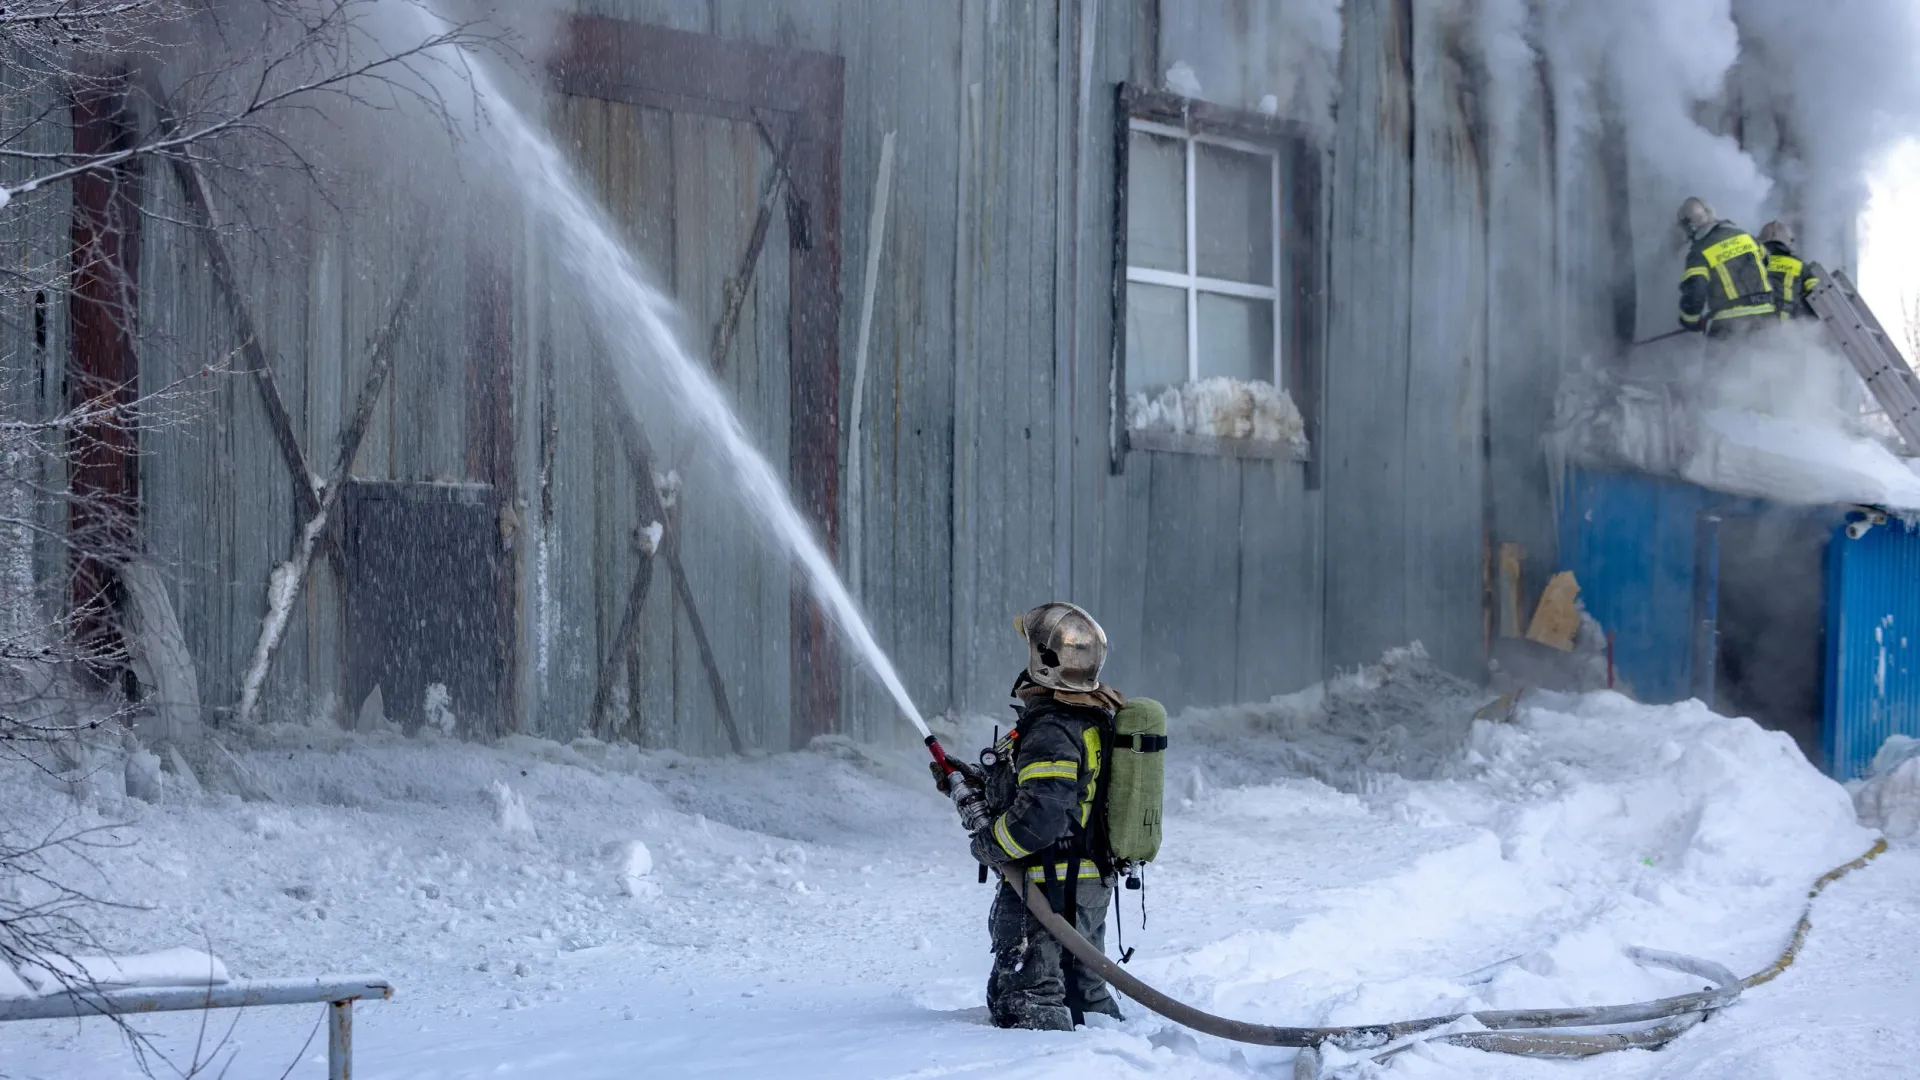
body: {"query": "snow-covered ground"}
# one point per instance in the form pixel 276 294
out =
pixel 1365 852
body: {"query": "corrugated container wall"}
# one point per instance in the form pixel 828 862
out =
pixel 1873 644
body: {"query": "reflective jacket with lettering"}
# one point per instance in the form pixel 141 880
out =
pixel 1791 282
pixel 1726 279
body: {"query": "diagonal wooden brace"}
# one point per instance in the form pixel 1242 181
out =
pixel 741 283
pixel 640 457
pixel 199 204
pixel 627 635
pixel 379 366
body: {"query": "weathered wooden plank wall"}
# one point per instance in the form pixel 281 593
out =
pixel 34 242
pixel 1525 301
pixel 1004 527
pixel 1365 441
pixel 904 77
pixel 984 479
pixel 1446 365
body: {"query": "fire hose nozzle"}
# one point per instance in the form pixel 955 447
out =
pixel 969 802
pixel 967 798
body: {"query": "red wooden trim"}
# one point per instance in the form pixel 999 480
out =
pixel 648 65
pixel 603 57
pixel 103 517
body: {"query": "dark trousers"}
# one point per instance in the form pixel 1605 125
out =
pixel 1028 987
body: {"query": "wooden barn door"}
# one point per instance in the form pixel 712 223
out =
pixel 720 164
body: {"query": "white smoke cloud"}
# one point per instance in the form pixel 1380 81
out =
pixel 1840 81
pixel 1762 107
pixel 1765 108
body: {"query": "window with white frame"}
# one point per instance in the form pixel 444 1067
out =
pixel 1202 259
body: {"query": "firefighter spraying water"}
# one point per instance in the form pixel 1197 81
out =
pixel 1061 807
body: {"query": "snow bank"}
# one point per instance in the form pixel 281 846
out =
pixel 1889 797
pixel 1588 824
pixel 1221 407
pixel 11 984
pixel 1365 850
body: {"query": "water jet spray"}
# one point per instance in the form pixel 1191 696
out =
pixel 634 319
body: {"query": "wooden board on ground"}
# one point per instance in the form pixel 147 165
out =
pixel 1508 586
pixel 1557 619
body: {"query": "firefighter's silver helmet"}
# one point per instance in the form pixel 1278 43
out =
pixel 1066 648
pixel 1776 232
pixel 1696 216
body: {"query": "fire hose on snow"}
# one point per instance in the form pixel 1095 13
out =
pixel 1531 1032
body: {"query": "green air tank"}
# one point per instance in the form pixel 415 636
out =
pixel 1136 780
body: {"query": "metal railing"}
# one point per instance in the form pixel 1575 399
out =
pixel 337 993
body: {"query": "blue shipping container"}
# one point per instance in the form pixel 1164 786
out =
pixel 1643 552
pixel 1873 632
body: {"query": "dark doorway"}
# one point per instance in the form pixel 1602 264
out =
pixel 1772 624
pixel 423 607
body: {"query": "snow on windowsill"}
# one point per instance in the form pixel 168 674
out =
pixel 1220 416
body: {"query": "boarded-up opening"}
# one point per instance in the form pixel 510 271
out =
pixel 423 606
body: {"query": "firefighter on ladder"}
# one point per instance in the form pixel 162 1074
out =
pixel 1725 291
pixel 1788 271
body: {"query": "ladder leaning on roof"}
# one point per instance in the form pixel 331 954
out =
pixel 1869 349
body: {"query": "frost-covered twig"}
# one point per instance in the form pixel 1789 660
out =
pixel 329 56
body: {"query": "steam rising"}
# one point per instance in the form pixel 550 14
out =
pixel 1766 108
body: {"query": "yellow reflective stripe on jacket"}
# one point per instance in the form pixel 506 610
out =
pixel 1724 252
pixel 1091 739
pixel 1786 269
pixel 1050 770
pixel 1038 874
pixel 1005 839
pixel 1689 319
pixel 1743 310
pixel 1693 272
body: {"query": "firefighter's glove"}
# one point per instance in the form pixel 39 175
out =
pixel 975 775
pixel 989 853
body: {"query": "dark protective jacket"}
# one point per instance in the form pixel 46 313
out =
pixel 1044 787
pixel 1725 280
pixel 1791 282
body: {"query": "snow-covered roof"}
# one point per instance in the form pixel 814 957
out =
pixel 1797 462
pixel 1772 424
